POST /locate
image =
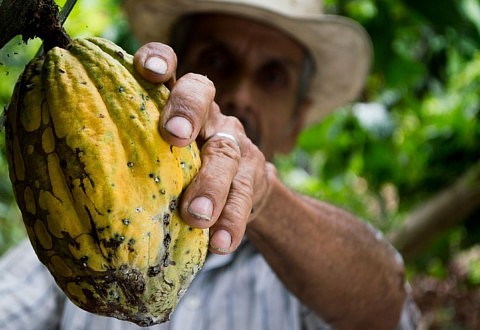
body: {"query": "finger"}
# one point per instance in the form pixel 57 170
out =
pixel 155 62
pixel 227 232
pixel 225 185
pixel 204 199
pixel 187 109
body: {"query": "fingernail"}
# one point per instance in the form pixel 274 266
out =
pixel 221 241
pixel 156 65
pixel 201 208
pixel 179 127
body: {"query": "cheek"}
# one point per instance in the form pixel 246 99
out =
pixel 277 133
pixel 280 119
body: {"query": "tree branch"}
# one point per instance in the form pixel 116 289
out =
pixel 32 18
pixel 14 16
pixel 446 209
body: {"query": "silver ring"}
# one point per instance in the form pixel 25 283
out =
pixel 226 136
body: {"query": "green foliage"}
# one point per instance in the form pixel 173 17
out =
pixel 417 128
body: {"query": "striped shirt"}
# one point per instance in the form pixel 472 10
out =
pixel 233 292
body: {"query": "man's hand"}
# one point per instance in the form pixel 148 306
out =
pixel 233 180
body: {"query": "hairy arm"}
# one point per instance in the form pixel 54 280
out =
pixel 333 262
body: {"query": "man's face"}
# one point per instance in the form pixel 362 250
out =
pixel 256 71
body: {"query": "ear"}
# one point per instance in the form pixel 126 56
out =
pixel 298 122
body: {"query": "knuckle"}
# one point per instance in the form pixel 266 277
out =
pixel 242 187
pixel 188 93
pixel 223 148
pixel 241 200
pixel 253 152
pixel 157 48
pixel 234 123
pixel 233 220
pixel 199 81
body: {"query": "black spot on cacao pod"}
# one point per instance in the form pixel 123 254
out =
pixel 166 259
pixel 166 240
pixel 166 219
pixel 173 205
pixel 131 279
pixel 113 294
pixel 114 242
pixel 154 270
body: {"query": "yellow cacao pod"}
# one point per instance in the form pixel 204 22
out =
pixel 97 186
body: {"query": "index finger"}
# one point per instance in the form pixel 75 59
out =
pixel 187 110
pixel 155 62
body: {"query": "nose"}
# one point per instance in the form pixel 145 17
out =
pixel 238 100
pixel 235 98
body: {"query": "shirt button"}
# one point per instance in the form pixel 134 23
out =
pixel 193 303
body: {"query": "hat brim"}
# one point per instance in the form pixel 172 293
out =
pixel 340 47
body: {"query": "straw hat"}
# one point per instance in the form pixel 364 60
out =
pixel 339 46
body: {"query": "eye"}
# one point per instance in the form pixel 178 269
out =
pixel 215 62
pixel 274 76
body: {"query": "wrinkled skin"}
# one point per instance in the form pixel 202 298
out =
pixel 324 255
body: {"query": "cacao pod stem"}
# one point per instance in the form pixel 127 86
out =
pixel 45 24
pixel 34 18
